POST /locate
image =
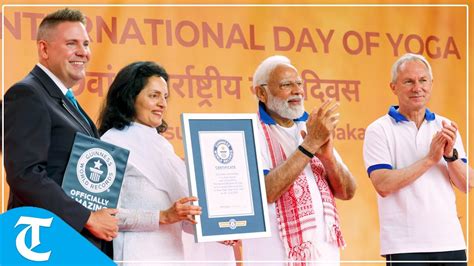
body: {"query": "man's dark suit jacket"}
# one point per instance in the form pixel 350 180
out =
pixel 40 126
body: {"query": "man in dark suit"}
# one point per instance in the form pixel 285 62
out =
pixel 41 120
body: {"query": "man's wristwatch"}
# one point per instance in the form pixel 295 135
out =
pixel 452 158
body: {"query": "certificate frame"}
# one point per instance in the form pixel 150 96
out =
pixel 214 145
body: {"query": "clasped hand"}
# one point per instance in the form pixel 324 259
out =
pixel 443 142
pixel 320 125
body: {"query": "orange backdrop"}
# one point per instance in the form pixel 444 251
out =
pixel 343 52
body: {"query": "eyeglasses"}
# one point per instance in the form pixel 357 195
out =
pixel 288 85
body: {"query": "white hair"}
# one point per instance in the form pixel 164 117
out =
pixel 409 57
pixel 263 71
pixel 283 109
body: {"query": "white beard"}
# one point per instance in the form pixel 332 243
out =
pixel 283 109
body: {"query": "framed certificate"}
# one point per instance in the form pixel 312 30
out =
pixel 224 172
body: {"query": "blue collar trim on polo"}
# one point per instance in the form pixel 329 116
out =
pixel 429 116
pixel 267 119
pixel 393 112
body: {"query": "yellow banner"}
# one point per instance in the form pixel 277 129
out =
pixel 211 52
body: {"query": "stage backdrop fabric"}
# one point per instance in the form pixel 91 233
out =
pixel 343 52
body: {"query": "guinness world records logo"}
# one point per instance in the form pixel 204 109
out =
pixel 96 170
pixel 223 151
pixel 232 224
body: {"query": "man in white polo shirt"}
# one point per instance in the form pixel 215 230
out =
pixel 403 154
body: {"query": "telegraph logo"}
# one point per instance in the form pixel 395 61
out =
pixel 96 170
pixel 34 225
pixel 223 151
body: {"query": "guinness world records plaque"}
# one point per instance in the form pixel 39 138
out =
pixel 224 172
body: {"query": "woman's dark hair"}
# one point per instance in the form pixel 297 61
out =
pixel 118 110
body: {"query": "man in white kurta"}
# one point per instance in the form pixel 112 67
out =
pixel 303 172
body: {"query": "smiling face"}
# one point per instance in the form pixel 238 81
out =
pixel 65 52
pixel 151 103
pixel 412 87
pixel 284 96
